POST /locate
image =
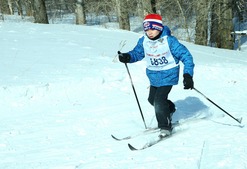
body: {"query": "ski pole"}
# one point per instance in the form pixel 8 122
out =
pixel 237 119
pixel 136 95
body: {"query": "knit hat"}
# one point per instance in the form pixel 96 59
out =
pixel 153 21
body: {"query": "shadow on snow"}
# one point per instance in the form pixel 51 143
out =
pixel 190 107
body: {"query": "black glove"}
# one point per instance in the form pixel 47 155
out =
pixel 188 81
pixel 124 57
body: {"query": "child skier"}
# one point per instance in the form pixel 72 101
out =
pixel 162 53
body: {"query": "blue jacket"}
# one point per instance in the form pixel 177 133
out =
pixel 167 76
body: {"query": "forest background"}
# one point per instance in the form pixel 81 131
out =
pixel 205 22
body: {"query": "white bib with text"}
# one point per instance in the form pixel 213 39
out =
pixel 158 55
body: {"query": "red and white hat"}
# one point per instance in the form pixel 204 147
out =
pixel 153 21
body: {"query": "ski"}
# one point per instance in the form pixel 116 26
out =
pixel 144 132
pixel 148 144
pixel 177 129
pixel 178 126
pixel 147 131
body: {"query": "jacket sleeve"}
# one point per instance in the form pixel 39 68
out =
pixel 137 53
pixel 181 53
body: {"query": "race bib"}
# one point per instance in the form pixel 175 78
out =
pixel 158 55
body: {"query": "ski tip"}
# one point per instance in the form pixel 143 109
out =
pixel 120 139
pixel 131 147
pixel 115 138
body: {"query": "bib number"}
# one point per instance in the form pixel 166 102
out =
pixel 158 61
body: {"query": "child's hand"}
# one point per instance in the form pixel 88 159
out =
pixel 123 57
pixel 188 81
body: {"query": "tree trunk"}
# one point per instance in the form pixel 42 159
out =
pixel 28 8
pixel 80 12
pixel 10 7
pixel 153 6
pixel 140 8
pixel 202 23
pixel 123 15
pixel 184 19
pixel 39 12
pixel 147 7
pixel 214 24
pixel 19 7
pixel 226 24
pixel 4 7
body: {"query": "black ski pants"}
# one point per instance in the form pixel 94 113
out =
pixel 158 98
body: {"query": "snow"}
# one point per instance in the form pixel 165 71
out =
pixel 241 32
pixel 63 97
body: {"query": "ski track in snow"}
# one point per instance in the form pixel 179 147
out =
pixel 63 97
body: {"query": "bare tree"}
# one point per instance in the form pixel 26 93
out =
pixel 10 7
pixel 80 12
pixel 225 25
pixel 123 15
pixel 221 24
pixel 39 11
pixel 184 19
pixel 179 15
pixel 100 11
pixel 214 24
pixel 153 5
pixel 4 7
pixel 148 7
pixel 140 11
pixel 241 9
pixel 19 7
pixel 202 22
pixel 1 14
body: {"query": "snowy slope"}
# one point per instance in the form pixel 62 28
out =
pixel 63 97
